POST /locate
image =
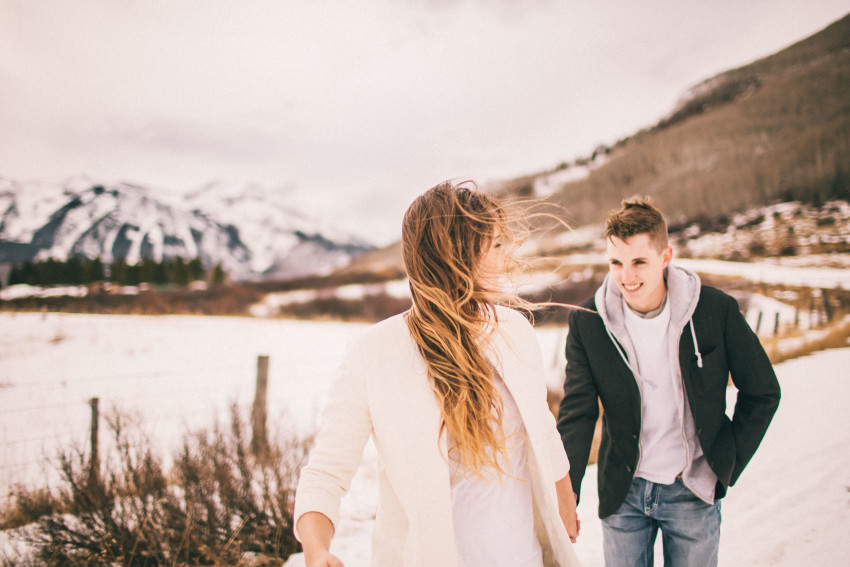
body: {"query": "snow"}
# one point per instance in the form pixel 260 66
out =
pixel 791 506
pixel 19 291
pixel 771 273
pixel 549 183
pixel 545 185
pixel 26 208
pixel 177 372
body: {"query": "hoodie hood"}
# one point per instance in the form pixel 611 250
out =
pixel 683 287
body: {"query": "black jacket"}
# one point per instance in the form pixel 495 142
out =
pixel 596 371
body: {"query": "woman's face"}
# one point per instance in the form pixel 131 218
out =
pixel 492 264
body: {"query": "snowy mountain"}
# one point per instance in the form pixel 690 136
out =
pixel 251 231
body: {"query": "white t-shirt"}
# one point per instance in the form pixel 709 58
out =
pixel 662 443
pixel 494 517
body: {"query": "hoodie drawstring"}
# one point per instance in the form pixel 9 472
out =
pixel 696 346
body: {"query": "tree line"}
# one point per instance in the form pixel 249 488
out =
pixel 79 270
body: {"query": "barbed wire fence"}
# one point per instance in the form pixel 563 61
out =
pixel 32 459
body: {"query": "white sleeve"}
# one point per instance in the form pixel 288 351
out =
pixel 338 451
pixel 557 453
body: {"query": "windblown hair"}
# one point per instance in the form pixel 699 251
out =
pixel 445 234
pixel 637 216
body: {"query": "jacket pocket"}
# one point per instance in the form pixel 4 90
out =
pixel 714 372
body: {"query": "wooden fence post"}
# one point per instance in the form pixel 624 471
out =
pixel 776 325
pixel 259 440
pixel 94 462
pixel 827 308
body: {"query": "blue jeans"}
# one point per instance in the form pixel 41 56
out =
pixel 690 528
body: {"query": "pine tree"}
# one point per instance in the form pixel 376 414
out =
pixel 196 270
pixel 118 272
pixel 147 273
pixel 29 275
pixel 178 272
pixel 218 275
pixel 160 276
pixel 74 271
pixel 16 275
pixel 93 270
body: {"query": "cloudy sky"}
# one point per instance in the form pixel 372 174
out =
pixel 353 107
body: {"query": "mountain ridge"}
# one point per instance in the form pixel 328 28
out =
pixel 250 231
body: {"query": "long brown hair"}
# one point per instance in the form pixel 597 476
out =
pixel 445 234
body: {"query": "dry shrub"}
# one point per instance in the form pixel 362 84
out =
pixel 369 309
pixel 26 506
pixel 219 505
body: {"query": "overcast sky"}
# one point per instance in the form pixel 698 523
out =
pixel 354 107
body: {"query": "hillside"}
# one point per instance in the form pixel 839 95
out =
pixel 775 130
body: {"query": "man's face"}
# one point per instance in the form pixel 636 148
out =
pixel 637 267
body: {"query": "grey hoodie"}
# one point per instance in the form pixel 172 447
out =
pixel 683 288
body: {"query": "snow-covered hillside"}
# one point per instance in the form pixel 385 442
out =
pixel 249 230
pixel 790 234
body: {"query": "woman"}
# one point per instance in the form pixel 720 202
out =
pixel 452 392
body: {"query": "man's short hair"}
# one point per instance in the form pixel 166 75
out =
pixel 637 216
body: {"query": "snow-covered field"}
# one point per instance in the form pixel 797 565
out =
pixel 176 372
pixel 791 507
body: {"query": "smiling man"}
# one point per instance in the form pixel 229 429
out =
pixel 657 348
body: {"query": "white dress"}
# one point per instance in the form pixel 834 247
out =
pixel 494 517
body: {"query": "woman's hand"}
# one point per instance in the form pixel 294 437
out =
pixel 573 525
pixel 567 507
pixel 322 559
pixel 316 531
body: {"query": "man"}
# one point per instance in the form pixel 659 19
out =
pixel 657 348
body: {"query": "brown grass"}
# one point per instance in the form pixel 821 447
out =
pixel 835 335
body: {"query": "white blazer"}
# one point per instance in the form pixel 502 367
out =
pixel 382 389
